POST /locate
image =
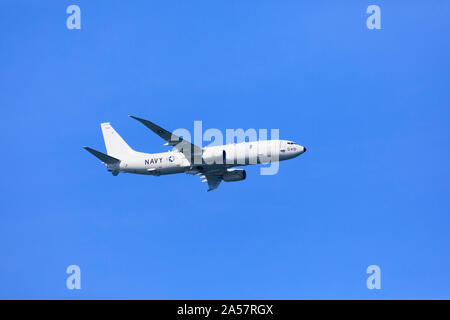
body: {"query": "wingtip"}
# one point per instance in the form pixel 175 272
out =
pixel 139 119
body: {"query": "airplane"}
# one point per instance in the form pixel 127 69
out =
pixel 213 164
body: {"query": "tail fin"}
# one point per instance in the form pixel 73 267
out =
pixel 115 145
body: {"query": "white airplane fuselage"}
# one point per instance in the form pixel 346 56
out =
pixel 239 154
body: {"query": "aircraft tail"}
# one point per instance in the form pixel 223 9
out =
pixel 115 146
pixel 103 157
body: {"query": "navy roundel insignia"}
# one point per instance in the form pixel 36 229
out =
pixel 171 158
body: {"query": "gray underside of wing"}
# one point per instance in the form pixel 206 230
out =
pixel 189 149
pixel 213 181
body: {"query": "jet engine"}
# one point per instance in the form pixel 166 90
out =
pixel 234 175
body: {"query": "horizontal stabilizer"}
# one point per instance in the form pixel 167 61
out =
pixel 103 157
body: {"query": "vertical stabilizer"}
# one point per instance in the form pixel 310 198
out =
pixel 115 146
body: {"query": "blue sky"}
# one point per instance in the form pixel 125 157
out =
pixel 371 106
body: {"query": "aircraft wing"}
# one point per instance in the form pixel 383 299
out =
pixel 187 148
pixel 213 181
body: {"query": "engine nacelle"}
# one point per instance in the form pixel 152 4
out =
pixel 234 175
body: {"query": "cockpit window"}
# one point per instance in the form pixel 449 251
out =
pixel 290 143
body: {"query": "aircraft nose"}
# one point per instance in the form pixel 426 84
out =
pixel 301 149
